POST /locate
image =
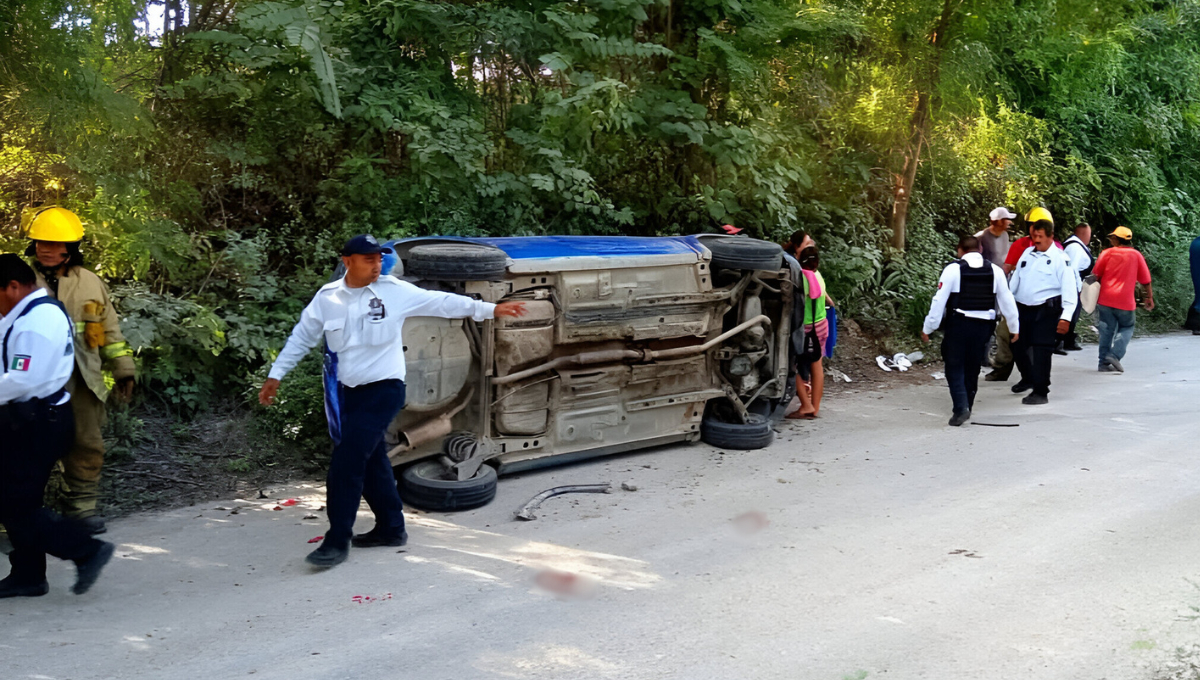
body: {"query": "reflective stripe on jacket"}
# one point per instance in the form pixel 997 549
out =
pixel 98 339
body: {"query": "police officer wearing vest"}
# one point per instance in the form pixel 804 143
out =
pixel 36 429
pixel 1043 284
pixel 99 345
pixel 964 307
pixel 1076 248
pixel 360 317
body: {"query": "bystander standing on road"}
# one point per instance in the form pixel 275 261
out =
pixel 1080 255
pixel 360 316
pixel 814 299
pixel 1043 284
pixel 38 427
pixel 1119 270
pixel 994 241
pixel 964 307
pixel 810 327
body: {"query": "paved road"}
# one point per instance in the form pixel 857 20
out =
pixel 893 547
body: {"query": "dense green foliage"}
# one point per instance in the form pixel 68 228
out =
pixel 218 162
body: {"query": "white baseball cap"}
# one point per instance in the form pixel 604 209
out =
pixel 1001 213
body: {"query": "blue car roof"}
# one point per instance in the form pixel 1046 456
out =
pixel 543 247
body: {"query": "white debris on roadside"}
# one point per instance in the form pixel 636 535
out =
pixel 938 375
pixel 837 375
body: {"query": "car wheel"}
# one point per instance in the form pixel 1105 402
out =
pixel 755 433
pixel 428 485
pixel 744 253
pixel 456 262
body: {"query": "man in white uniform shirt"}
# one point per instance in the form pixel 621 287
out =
pixel 969 291
pixel 1043 284
pixel 37 428
pixel 1080 254
pixel 360 317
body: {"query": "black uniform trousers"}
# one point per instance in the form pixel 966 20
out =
pixel 1039 335
pixel 33 436
pixel 359 467
pixel 964 349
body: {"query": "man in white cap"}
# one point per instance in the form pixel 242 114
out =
pixel 994 244
pixel 994 240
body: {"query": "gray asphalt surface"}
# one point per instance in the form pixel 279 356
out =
pixel 875 542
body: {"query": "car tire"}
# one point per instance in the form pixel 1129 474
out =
pixel 744 253
pixel 754 434
pixel 456 262
pixel 421 486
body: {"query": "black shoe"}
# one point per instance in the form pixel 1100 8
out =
pixel 959 418
pixel 327 556
pixel 1035 399
pixel 95 524
pixel 1115 363
pixel 87 571
pixel 9 587
pixel 1074 347
pixel 1060 351
pixel 378 539
pixel 1021 386
pixel 994 376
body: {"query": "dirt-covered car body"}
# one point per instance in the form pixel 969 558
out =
pixel 625 343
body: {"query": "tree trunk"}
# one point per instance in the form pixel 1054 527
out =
pixel 918 129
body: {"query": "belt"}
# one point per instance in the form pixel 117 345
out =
pixel 1052 302
pixel 18 412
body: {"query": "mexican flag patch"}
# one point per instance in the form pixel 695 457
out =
pixel 20 363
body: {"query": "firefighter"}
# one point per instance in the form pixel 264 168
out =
pixel 55 234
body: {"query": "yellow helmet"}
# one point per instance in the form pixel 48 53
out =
pixel 52 224
pixel 1039 214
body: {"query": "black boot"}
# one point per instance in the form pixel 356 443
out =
pixel 960 418
pixel 11 587
pixel 328 555
pixel 88 570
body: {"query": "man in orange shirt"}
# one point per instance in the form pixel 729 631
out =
pixel 1119 270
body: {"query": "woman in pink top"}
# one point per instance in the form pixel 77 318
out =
pixel 1119 270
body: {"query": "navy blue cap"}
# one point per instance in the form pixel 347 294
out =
pixel 364 244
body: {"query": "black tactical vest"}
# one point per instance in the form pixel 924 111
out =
pixel 975 288
pixel 1091 258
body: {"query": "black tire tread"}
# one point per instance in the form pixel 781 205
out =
pixel 738 252
pixel 456 262
pixel 756 434
pixel 439 495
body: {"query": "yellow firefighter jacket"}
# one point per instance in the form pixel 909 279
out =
pixel 98 339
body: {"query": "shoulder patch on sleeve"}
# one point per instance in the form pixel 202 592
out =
pixel 20 362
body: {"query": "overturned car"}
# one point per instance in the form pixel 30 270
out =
pixel 626 343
